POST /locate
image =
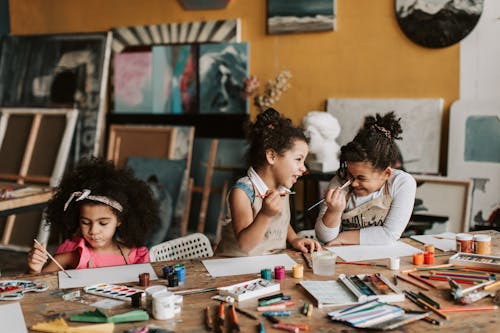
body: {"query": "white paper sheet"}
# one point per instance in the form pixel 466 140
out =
pixel 439 243
pixel 11 317
pixel 113 274
pixel 247 265
pixel 370 252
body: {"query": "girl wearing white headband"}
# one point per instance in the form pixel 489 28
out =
pixel 103 213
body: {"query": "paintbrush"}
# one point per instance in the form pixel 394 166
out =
pixel 347 183
pixel 53 259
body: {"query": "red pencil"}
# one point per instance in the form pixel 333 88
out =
pixel 416 277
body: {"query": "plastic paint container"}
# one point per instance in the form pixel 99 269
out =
pixel 482 244
pixel 464 243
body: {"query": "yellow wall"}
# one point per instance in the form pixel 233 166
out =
pixel 367 56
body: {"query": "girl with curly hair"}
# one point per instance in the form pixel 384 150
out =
pixel 377 205
pixel 258 220
pixel 103 214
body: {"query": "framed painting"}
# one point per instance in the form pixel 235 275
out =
pixel 420 120
pixel 442 204
pixel 474 153
pixel 437 23
pixel 284 16
pixel 60 70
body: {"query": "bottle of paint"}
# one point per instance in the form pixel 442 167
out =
pixel 482 244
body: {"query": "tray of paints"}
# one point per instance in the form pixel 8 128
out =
pixel 120 292
pixel 14 289
pixel 249 289
pixel 491 263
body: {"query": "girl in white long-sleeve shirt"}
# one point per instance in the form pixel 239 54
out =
pixel 377 205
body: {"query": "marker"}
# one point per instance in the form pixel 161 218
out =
pixel 221 317
pixel 347 183
pixel 53 259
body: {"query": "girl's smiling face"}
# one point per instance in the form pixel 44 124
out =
pixel 365 178
pixel 290 165
pixel 98 225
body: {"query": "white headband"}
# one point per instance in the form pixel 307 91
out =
pixel 86 195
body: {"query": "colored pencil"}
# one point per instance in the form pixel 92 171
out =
pixel 360 264
pixel 53 259
pixel 416 277
pixel 470 308
pixel 246 313
pixel 208 318
pixel 401 277
pixel 433 309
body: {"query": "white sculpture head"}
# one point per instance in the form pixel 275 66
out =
pixel 322 129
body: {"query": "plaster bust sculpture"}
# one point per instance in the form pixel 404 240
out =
pixel 322 129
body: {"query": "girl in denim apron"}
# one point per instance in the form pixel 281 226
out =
pixel 376 206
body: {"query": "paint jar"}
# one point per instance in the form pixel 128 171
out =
pixel 279 272
pixel 429 248
pixel 464 243
pixel 418 258
pixel 394 263
pixel 266 274
pixel 181 272
pixel 150 291
pixel 144 279
pixel 163 305
pixel 428 258
pixel 482 244
pixel 323 262
pixel 298 271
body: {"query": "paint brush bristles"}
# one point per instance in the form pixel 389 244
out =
pixel 347 183
pixel 53 259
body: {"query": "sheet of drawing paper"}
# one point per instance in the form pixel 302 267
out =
pixel 369 252
pixel 12 318
pixel 439 243
pixel 113 274
pixel 246 265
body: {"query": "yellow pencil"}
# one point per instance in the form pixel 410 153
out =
pixel 53 259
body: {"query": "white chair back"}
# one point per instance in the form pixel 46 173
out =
pixel 196 245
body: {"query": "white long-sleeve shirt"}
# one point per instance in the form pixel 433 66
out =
pixel 402 188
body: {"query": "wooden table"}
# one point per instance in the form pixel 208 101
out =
pixel 36 305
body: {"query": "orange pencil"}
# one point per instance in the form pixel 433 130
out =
pixel 470 308
pixel 401 277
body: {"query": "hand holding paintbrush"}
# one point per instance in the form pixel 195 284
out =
pixel 347 183
pixel 42 248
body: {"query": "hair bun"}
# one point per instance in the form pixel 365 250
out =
pixel 388 125
pixel 269 118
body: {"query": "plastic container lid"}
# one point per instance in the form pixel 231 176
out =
pixel 482 238
pixel 464 237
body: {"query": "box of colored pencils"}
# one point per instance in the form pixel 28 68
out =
pixel 489 263
pixel 250 289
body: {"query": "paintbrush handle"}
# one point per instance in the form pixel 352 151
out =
pixel 53 259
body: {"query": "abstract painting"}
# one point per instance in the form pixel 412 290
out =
pixel 59 71
pixel 221 31
pixel 223 68
pixel 285 16
pixel 132 82
pixel 175 79
pixel 420 120
pixel 476 156
pixel 438 23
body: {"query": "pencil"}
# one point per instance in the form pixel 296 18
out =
pixel 347 183
pixel 53 259
pixel 412 282
pixel 246 313
pixel 433 309
pixel 360 264
pixel 208 318
pixel 416 277
pixel 470 308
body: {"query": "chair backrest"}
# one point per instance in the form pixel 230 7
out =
pixel 307 234
pixel 196 245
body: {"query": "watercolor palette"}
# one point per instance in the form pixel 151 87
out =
pixel 123 293
pixel 249 289
pixel 14 289
pixel 490 263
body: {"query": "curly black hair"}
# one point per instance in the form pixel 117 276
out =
pixel 270 131
pixel 140 210
pixel 375 142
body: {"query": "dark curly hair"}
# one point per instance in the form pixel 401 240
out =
pixel 375 142
pixel 140 210
pixel 270 131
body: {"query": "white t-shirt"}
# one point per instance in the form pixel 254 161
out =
pixel 402 188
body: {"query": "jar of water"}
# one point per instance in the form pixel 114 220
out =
pixel 323 262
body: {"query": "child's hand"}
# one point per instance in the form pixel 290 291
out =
pixel 37 258
pixel 335 200
pixel 306 245
pixel 272 203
